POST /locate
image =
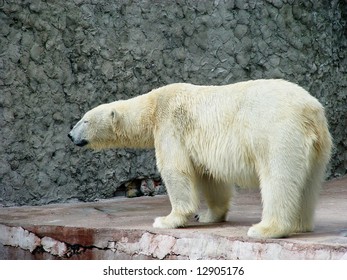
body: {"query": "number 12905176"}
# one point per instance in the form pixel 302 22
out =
pixel 234 270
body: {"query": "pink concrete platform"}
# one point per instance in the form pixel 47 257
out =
pixel 121 228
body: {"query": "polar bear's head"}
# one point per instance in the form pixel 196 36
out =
pixel 96 129
pixel 119 124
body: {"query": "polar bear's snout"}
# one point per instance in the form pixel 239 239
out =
pixel 76 141
pixel 76 136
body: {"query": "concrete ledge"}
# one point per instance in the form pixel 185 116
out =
pixel 121 229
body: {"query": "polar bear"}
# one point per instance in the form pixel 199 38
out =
pixel 267 133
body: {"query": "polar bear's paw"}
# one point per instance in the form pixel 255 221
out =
pixel 170 221
pixel 161 223
pixel 210 217
pixel 260 231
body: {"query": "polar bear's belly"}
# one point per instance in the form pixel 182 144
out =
pixel 228 168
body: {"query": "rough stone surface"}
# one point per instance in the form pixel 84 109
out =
pixel 121 229
pixel 17 236
pixel 59 59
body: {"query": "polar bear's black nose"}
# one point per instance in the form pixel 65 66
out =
pixel 70 136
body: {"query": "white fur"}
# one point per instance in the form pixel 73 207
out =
pixel 267 133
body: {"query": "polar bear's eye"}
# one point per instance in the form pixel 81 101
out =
pixel 86 122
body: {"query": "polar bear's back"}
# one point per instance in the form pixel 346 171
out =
pixel 262 95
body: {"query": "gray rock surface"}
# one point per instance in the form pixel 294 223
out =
pixel 59 59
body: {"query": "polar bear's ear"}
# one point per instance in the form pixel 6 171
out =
pixel 114 115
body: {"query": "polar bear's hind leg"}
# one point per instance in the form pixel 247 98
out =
pixel 217 195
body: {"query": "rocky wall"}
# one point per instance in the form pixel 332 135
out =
pixel 59 59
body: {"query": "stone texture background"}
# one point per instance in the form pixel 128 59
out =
pixel 59 59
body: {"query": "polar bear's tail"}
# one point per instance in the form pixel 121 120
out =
pixel 315 127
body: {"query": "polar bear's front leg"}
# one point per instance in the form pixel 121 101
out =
pixel 180 180
pixel 183 197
